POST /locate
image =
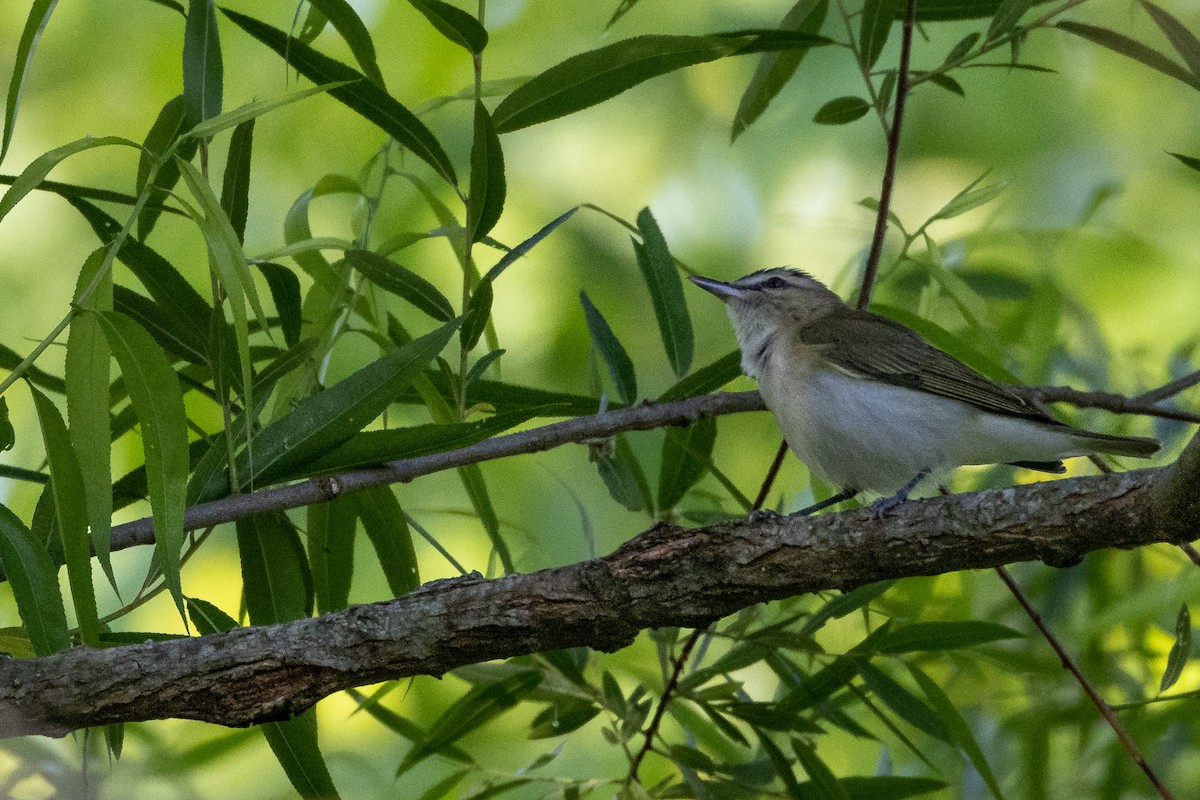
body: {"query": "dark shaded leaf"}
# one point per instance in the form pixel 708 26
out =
pixel 1183 40
pixel 1130 48
pixel 33 577
pixel 202 68
pixel 841 111
pixel 361 95
pixel 960 50
pixel 844 604
pixel 35 23
pixel 666 293
pixel 902 702
pixel 621 10
pixel 235 188
pixel 350 27
pixel 477 707
pixel 285 294
pixel 331 528
pixel 874 28
pixel 386 526
pixel 157 323
pixel 275 577
pixel 486 200
pixel 1187 161
pixel 1181 649
pixel 479 310
pixel 619 478
pixel 820 776
pixel 168 126
pixel 620 366
pixel 562 717
pixel 707 379
pixel 590 78
pixel 404 283
pixel 70 507
pixel 937 636
pixel 8 434
pixel 294 743
pixel 948 83
pixel 455 24
pixel 686 454
pixel 1006 18
pixel 207 618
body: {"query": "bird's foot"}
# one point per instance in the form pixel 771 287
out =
pixel 764 515
pixel 882 507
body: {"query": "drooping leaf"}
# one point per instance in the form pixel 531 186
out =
pixel 350 27
pixel 202 66
pixel 666 293
pixel 874 27
pixel 686 454
pixel 34 581
pixel 1181 649
pixel 478 706
pixel 455 24
pixel 1130 48
pixel 820 775
pixel 285 294
pixel 158 401
pixel 1183 40
pixel 40 167
pixel 527 245
pixel 157 322
pixel 479 311
pixel 774 70
pixel 486 200
pixel 294 743
pixel 8 434
pixel 87 374
pixel 404 283
pixel 590 78
pixel 844 604
pixel 35 23
pixel 207 618
pixel 70 507
pixel 275 577
pixel 171 122
pixel 360 95
pixel 841 111
pixel 235 187
pixel 331 528
pixel 620 472
pixel 902 702
pixel 481 500
pixel 620 366
pixel 386 527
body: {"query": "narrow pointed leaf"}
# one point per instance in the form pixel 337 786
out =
pixel 666 293
pixel 455 24
pixel 171 122
pixel 590 78
pixel 1183 40
pixel 486 201
pixel 1188 161
pixel 285 294
pixel 35 23
pixel 620 366
pixel 66 483
pixel 350 27
pixel 251 111
pixel 1181 649
pixel 158 401
pixel 479 311
pixel 844 604
pixel 958 729
pixel 774 70
pixel 34 581
pixel 294 743
pixel 8 434
pixel 902 702
pixel 202 68
pixel 41 166
pixel 361 95
pixel 402 282
pixel 935 636
pixel 235 188
pixel 275 577
pixel 481 500
pixel 874 27
pixel 386 527
pixel 1007 16
pixel 820 776
pixel 1130 48
pixel 87 376
pixel 330 541
pixel 706 379
pixel 686 454
pixel 527 245
pixel 207 618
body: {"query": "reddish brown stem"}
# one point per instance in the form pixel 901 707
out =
pixel 668 691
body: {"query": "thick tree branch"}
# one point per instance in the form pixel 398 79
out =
pixel 666 576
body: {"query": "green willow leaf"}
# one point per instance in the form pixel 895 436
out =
pixel 1183 40
pixel 158 402
pixel 294 743
pixel 170 123
pixel 590 78
pixel 841 111
pixel 202 67
pixel 455 24
pixel 874 27
pixel 686 454
pixel 620 366
pixel 1006 18
pixel 275 577
pixel 250 111
pixel 87 373
pixel 618 470
pixel 8 434
pixel 402 282
pixel 481 500
pixel 235 187
pixel 906 705
pixel 1188 161
pixel 321 422
pixel 844 604
pixel 35 23
pixel 479 311
pixel 819 774
pixel 1181 649
pixel 285 294
pixel 486 200
pixel 478 706
pixel 387 529
pixel 71 512
pixel 706 379
pixel 1130 48
pixel 331 527
pixel 666 293
pixel 9 359
pixel 938 636
pixel 40 167
pixel 33 577
pixel 360 95
pixel 774 70
pixel 350 27
pixel 207 618
pixel 157 322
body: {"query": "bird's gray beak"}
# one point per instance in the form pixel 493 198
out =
pixel 721 289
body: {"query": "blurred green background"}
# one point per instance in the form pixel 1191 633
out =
pixel 1096 232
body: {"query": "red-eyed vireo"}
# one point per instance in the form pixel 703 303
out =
pixel 869 405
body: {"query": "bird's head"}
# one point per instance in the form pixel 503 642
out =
pixel 772 297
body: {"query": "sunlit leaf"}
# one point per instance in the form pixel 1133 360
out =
pixel 255 109
pixel 361 95
pixel 158 401
pixel 386 527
pixel 33 578
pixel 666 293
pixel 35 23
pixel 455 24
pixel 202 67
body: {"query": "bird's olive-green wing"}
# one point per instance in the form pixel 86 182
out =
pixel 871 346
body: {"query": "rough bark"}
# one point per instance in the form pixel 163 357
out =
pixel 666 576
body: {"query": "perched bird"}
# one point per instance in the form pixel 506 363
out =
pixel 869 405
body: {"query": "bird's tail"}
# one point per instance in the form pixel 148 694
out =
pixel 1133 446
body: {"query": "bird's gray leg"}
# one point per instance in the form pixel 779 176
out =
pixel 880 508
pixel 845 494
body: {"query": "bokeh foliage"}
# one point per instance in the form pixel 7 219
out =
pixel 437 214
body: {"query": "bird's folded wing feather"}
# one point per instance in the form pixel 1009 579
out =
pixel 899 356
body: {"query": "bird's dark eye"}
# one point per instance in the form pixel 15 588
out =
pixel 774 283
